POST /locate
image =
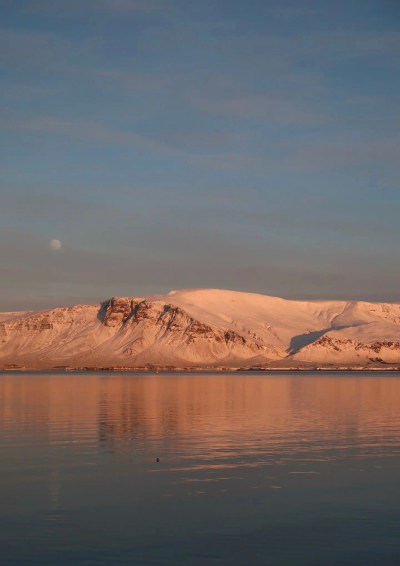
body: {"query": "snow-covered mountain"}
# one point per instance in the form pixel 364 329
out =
pixel 203 327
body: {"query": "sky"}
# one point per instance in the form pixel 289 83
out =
pixel 168 144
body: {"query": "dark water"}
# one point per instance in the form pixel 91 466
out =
pixel 255 469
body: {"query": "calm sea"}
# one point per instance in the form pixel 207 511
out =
pixel 254 469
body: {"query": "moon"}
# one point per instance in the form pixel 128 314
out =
pixel 55 245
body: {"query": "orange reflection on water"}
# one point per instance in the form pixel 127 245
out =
pixel 208 415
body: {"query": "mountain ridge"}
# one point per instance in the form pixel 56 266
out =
pixel 203 328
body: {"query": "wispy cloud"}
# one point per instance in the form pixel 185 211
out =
pixel 291 12
pixel 269 108
pixel 305 157
pixel 228 161
pixel 291 100
pixel 274 50
pixel 76 7
pixel 324 47
pixel 41 54
pixel 85 132
pixel 348 152
pixel 123 80
pixel 46 205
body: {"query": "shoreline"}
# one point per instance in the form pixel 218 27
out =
pixel 163 369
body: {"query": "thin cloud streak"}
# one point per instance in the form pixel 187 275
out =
pixel 271 109
pixel 86 133
pixel 303 158
pixel 115 7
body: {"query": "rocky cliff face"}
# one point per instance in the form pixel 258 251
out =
pixel 144 326
pixel 125 332
pixel 202 328
pixel 345 350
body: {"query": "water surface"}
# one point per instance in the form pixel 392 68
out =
pixel 255 469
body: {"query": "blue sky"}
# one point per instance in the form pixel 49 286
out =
pixel 167 144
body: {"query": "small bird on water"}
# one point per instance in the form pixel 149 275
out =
pixel 158 459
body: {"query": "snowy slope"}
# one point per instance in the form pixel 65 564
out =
pixel 203 327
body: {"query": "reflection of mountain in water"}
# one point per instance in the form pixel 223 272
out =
pixel 223 412
pixel 207 417
pixel 123 417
